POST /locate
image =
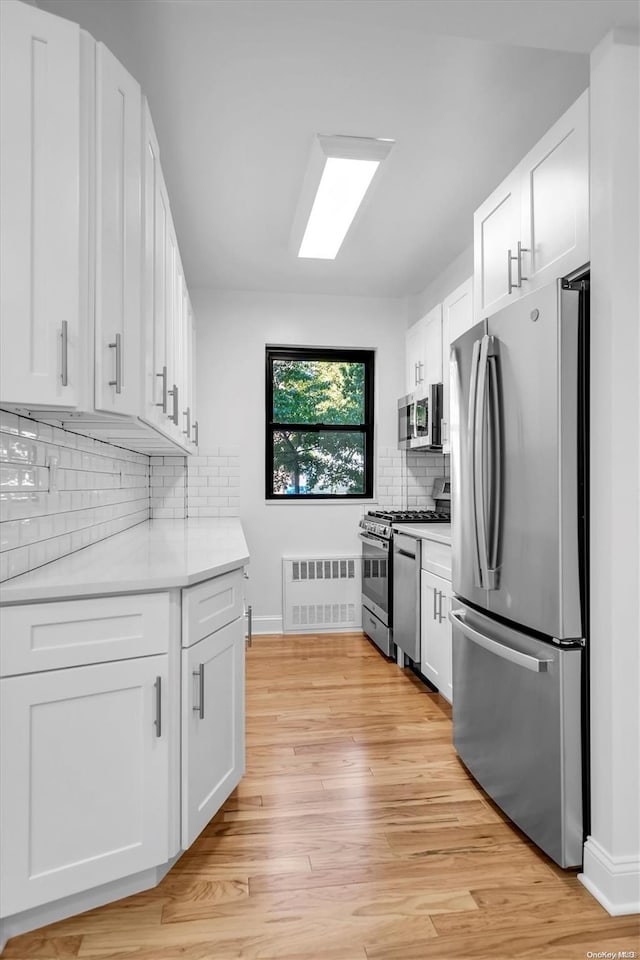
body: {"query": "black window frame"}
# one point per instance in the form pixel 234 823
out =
pixel 348 355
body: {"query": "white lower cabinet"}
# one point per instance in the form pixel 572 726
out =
pixel 84 767
pixel 435 656
pixel 212 725
pixel 91 776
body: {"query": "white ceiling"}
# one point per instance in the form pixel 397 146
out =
pixel 239 88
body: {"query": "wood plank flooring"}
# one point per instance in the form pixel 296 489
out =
pixel 356 834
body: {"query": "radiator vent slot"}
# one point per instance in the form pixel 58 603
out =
pixel 321 594
pixel 323 614
pixel 323 569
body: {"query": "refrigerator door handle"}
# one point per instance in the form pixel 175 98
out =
pixel 473 442
pixel 493 646
pixel 493 572
pixel 479 463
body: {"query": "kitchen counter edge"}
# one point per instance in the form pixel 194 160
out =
pixel 440 532
pixel 152 556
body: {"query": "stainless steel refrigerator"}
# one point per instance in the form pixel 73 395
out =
pixel 519 553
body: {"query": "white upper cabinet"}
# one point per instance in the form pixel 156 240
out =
pixel 433 346
pixel 93 292
pixel 193 359
pixel 40 204
pixel 496 235
pixel 457 316
pixel 535 225
pixel 414 352
pixel 118 327
pixel 555 198
pixel 423 352
pixel 157 217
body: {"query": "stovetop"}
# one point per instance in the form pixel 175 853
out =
pixel 410 516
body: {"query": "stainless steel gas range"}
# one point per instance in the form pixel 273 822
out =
pixel 376 534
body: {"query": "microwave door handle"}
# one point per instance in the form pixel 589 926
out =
pixel 472 442
pixel 480 460
pixel 496 469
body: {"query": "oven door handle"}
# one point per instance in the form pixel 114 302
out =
pixel 380 544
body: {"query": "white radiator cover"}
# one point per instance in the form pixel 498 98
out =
pixel 321 594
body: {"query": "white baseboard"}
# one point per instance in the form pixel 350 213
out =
pixel 80 902
pixel 275 625
pixel 613 881
pixel 262 625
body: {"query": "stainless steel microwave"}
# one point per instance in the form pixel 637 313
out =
pixel 419 420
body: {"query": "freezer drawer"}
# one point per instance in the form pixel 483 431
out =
pixel 517 727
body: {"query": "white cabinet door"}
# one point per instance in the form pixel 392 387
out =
pixel 84 779
pixel 423 352
pixel 212 725
pixel 195 426
pixel 414 354
pixel 496 233
pixel 555 199
pixel 40 203
pixel 157 216
pixel 457 316
pixel 174 310
pixel 433 346
pixel 435 650
pixel 444 606
pixel 535 225
pixel 118 333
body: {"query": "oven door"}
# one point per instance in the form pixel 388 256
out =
pixel 376 573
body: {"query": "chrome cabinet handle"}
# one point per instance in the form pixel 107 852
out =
pixel 435 595
pixel 493 646
pixel 199 707
pixel 158 720
pixel 64 372
pixel 163 404
pixel 174 393
pixel 518 258
pixel 187 413
pixel 249 625
pixel 420 366
pixel 117 346
pixel 440 599
pixel 195 427
pixel 520 251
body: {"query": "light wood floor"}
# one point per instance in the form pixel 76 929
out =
pixel 356 833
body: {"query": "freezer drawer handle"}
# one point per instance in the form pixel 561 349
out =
pixel 507 653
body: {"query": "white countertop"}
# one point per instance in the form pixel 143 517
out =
pixel 440 532
pixel 155 555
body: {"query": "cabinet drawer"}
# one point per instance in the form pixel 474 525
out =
pixel 436 558
pixel 210 605
pixel 72 633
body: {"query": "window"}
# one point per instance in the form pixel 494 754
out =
pixel 319 419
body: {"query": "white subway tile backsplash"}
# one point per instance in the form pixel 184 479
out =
pixel 196 484
pixel 95 491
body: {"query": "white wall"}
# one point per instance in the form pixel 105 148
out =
pixel 233 329
pixel 612 851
